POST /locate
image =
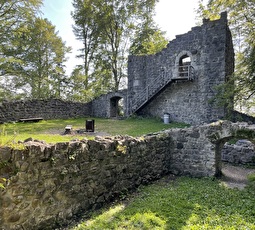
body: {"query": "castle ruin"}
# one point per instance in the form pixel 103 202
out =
pixel 181 80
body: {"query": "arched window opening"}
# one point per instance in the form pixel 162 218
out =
pixel 185 66
pixel 185 60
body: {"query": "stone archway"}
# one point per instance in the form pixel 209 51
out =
pixel 183 62
pixel 116 106
pixel 227 132
pixel 112 104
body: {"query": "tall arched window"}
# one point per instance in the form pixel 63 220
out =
pixel 184 65
pixel 184 69
pixel 185 60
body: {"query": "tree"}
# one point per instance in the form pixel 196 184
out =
pixel 148 40
pixel 242 23
pixel 14 15
pixel 107 29
pixel 86 30
pixel 39 57
pixel 78 86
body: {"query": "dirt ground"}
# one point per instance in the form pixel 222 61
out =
pixel 235 176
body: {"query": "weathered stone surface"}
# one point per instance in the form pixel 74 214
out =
pixel 43 192
pixel 47 109
pixel 239 153
pixel 211 54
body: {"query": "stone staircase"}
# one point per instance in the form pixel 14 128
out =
pixel 186 73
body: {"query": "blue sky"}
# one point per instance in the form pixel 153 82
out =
pixel 173 16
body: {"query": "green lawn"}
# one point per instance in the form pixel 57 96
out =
pixel 185 203
pixel 51 130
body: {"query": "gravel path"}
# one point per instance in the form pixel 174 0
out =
pixel 235 176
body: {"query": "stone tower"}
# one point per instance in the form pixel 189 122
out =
pixel 181 79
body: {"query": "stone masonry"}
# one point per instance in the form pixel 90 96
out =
pixel 209 51
pixel 47 109
pixel 242 152
pixel 103 106
pixel 48 185
pixel 157 83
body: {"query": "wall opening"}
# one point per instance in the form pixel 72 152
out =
pixel 116 107
pixel 184 66
pixel 233 158
pixel 185 60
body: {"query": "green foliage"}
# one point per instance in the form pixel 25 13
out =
pixel 2 181
pixel 106 29
pixel 233 141
pixel 251 181
pixel 41 54
pixel 251 177
pixel 245 134
pixel 148 40
pixel 9 140
pixel 185 203
pixel 14 16
pixel 32 55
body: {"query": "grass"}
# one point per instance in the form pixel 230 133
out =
pixel 44 130
pixel 185 203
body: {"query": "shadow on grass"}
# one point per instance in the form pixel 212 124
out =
pixel 182 204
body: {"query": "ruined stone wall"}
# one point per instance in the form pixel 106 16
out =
pixel 47 185
pixel 211 54
pixel 240 153
pixel 47 109
pixel 107 104
pixel 103 106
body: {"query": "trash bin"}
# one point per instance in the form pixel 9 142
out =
pixel 166 118
pixel 90 125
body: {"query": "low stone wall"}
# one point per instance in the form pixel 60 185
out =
pixel 47 109
pixel 240 153
pixel 48 185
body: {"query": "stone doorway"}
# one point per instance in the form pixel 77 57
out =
pixel 116 106
pixel 233 151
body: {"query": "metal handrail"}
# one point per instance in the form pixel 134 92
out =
pixel 187 72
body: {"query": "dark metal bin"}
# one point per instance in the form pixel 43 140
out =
pixel 90 125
